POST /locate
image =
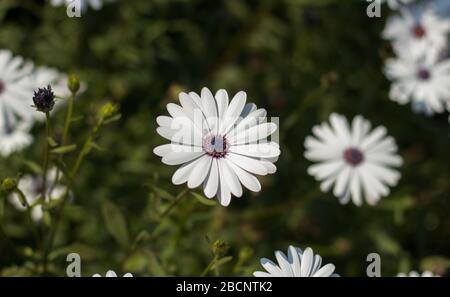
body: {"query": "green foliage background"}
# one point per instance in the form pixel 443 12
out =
pixel 299 59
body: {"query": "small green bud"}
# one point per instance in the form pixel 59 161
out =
pixel 220 247
pixel 73 83
pixel 9 185
pixel 108 110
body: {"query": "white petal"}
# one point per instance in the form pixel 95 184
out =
pixel 230 177
pixel 212 182
pixel 248 180
pixel 199 172
pixel 250 164
pixel 260 150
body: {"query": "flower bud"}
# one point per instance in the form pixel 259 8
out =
pixel 73 83
pixel 44 99
pixel 9 185
pixel 108 110
pixel 220 247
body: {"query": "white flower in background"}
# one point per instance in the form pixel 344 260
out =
pixel 425 80
pixel 31 186
pixel 14 136
pixel 95 4
pixel 297 263
pixel 16 86
pixel 424 34
pixel 353 159
pixel 396 4
pixel 111 273
pixel 219 144
pixel 416 274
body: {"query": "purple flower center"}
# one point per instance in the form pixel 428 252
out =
pixel 353 156
pixel 215 146
pixel 2 87
pixel 418 31
pixel 423 74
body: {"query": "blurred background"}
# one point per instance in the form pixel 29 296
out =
pixel 299 59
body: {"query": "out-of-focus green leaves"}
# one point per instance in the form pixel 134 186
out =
pixel 115 223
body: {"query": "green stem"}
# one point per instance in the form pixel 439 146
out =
pixel 46 156
pixel 29 217
pixel 67 123
pixel 172 205
pixel 84 151
pixel 210 265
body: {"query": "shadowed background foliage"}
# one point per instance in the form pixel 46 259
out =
pixel 299 59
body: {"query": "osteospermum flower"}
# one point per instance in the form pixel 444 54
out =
pixel 14 136
pixel 356 161
pixel 111 273
pixel 16 86
pixel 219 144
pixel 424 80
pixel 31 186
pixel 426 34
pixel 416 274
pixel 297 263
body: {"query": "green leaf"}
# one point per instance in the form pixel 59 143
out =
pixel 221 262
pixel 52 142
pixel 33 166
pixel 112 119
pixel 136 262
pixel 86 253
pixel 154 266
pixel 203 200
pixel 96 146
pixel 115 223
pixel 64 149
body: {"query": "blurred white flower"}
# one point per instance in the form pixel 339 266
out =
pixel 353 159
pixel 95 4
pixel 419 35
pixel 297 263
pixel 14 135
pixel 416 274
pixel 219 144
pixel 396 4
pixel 111 273
pixel 31 186
pixel 16 86
pixel 424 80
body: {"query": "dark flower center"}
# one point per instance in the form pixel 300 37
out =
pixel 423 74
pixel 353 156
pixel 215 146
pixel 2 87
pixel 418 31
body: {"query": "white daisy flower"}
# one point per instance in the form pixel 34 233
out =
pixel 297 263
pixel 425 80
pixel 31 186
pixel 219 144
pixel 416 274
pixel 353 159
pixel 16 86
pixel 14 135
pixel 111 273
pixel 425 34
